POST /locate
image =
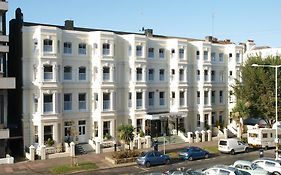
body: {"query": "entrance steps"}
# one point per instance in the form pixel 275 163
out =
pixel 83 148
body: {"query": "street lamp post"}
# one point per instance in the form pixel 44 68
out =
pixel 276 101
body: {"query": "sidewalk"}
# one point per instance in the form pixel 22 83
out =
pixel 43 166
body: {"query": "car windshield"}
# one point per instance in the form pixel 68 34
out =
pixel 238 172
pixel 255 166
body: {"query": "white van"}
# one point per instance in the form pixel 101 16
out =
pixel 232 146
pixel 262 137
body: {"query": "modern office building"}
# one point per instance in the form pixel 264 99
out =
pixel 86 82
pixel 6 82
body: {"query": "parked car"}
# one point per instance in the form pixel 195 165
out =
pixel 251 168
pixel 192 153
pixel 153 158
pixel 269 164
pixel 222 170
pixel 182 171
pixel 232 146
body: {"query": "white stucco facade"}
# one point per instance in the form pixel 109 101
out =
pixel 93 81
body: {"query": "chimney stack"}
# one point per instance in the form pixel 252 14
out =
pixel 148 32
pixel 69 24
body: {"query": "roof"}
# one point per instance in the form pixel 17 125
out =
pixel 243 162
pixel 82 29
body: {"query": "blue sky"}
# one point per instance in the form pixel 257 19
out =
pixel 237 20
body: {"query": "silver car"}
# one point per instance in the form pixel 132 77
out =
pixel 269 164
pixel 249 167
pixel 222 170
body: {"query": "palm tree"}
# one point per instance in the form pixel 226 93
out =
pixel 125 133
pixel 240 112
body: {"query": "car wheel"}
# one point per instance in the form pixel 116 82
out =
pixel 147 164
pixel 246 150
pixel 276 173
pixel 190 158
pixel 232 152
pixel 206 156
pixel 167 161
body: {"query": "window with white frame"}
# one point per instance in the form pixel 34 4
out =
pixel 106 128
pixel 67 73
pixel 173 52
pixel 106 73
pixel 198 120
pixel 205 55
pixel 106 101
pixel 67 102
pixel 220 57
pixel 48 103
pixel 139 125
pixel 161 53
pixel 139 74
pixel 162 74
pixel 48 72
pixel 150 74
pixel 181 53
pixel 48 45
pixel 139 100
pixel 198 97
pixel 82 49
pixel 213 97
pixel 150 52
pixel 206 119
pixel 214 117
pixel 213 56
pixel 182 100
pixel 151 98
pixel 82 101
pixel 237 57
pixel 221 76
pixel 198 75
pixel 206 97
pixel 206 75
pixel 82 73
pixel 130 99
pixel 197 54
pixel 221 96
pixel 213 75
pixel 161 98
pixel 173 94
pixel 129 50
pixel 106 49
pixel 231 97
pixel 139 51
pixel 181 74
pixel 67 48
pixel 172 74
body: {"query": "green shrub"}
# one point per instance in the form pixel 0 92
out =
pixel 244 139
pixel 141 133
pixel 50 142
pixel 125 154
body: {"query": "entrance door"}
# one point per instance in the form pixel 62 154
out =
pixel 82 131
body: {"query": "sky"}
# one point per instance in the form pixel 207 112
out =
pixel 238 20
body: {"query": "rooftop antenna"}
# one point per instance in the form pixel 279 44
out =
pixel 213 19
pixel 142 29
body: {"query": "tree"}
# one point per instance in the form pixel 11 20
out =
pixel 240 112
pixel 125 133
pixel 257 87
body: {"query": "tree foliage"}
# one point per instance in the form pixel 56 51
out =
pixel 125 133
pixel 257 87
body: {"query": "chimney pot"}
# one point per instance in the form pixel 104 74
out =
pixel 69 24
pixel 148 32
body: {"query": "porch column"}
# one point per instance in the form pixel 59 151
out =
pixel 143 125
pixel 134 122
pixel 41 134
pixel 210 120
pixel 100 130
pixel 55 133
pixel 112 128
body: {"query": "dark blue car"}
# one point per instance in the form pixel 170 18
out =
pixel 192 153
pixel 153 158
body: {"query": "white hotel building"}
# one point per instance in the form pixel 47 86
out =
pixel 95 80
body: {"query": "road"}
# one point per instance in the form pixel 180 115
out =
pixel 196 164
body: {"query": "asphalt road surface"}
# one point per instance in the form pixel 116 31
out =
pixel 225 159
